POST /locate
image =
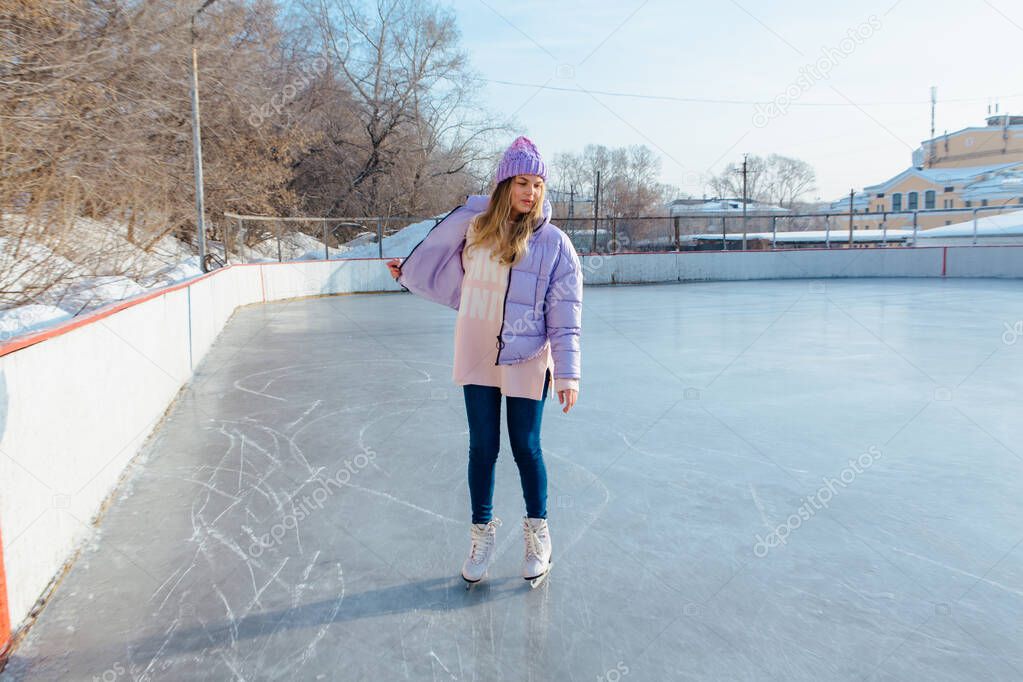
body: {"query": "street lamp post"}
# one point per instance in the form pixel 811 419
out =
pixel 197 143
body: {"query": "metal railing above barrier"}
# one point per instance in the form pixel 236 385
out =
pixel 732 231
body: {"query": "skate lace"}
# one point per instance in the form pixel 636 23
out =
pixel 482 542
pixel 533 546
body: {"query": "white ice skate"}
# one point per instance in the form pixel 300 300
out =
pixel 537 563
pixel 484 537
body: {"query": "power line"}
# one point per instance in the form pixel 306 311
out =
pixel 709 100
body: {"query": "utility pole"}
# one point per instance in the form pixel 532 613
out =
pixel 932 153
pixel 745 174
pixel 197 143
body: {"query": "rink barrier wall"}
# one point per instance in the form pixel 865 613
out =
pixel 62 455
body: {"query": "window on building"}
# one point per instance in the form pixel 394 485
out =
pixel 1020 200
pixel 983 202
pixel 950 188
pixel 914 201
pixel 948 222
pixel 929 199
pixel 968 203
pixel 880 195
pixel 896 202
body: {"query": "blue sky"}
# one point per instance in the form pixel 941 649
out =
pixel 879 76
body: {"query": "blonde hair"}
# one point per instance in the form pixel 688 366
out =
pixel 491 226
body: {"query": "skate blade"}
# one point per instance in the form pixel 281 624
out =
pixel 469 583
pixel 539 580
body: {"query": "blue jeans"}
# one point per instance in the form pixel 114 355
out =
pixel 483 408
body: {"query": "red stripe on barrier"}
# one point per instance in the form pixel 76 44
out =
pixel 5 616
pixel 95 316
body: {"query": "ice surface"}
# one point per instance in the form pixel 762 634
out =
pixel 304 512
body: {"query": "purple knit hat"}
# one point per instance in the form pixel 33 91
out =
pixel 521 158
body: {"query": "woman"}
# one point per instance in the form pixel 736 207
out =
pixel 517 284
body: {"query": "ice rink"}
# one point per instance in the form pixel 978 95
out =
pixel 764 480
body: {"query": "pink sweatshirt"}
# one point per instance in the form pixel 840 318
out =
pixel 476 329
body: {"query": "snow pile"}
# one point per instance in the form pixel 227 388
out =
pixel 94 292
pixel 170 274
pixel 28 318
pixel 80 268
pixel 397 245
pixel 300 246
pixel 94 264
pixel 294 246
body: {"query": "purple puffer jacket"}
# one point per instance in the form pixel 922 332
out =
pixel 544 297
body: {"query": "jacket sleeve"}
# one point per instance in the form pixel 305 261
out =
pixel 433 269
pixel 564 306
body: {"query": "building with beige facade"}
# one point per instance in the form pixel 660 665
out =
pixel 976 167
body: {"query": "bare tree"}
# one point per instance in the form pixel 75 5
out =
pixel 778 180
pixel 791 179
pixel 413 134
pixel 334 106
pixel 629 178
pixel 94 123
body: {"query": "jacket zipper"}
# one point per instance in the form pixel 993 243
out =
pixel 504 308
pixel 500 330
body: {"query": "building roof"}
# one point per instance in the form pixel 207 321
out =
pixel 941 176
pixel 860 200
pixel 725 205
pixel 984 128
pixel 1006 183
pixel 1001 225
pixel 836 235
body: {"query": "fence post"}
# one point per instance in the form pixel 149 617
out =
pixel 914 228
pixel 774 230
pixel 279 258
pixel 326 249
pixel 596 212
pixel 227 240
pixel 851 209
pixel 974 243
pixel 827 232
pixel 724 231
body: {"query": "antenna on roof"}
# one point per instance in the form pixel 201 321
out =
pixel 932 156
